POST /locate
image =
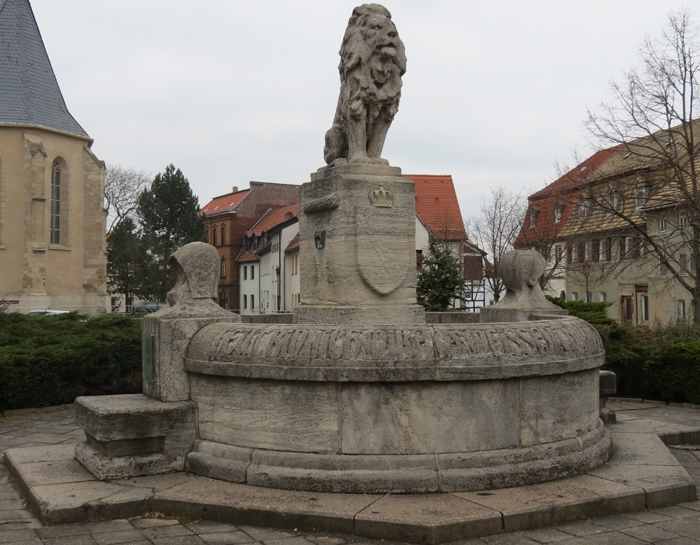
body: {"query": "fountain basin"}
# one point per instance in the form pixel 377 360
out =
pixel 443 407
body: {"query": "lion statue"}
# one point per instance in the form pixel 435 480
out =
pixel 372 61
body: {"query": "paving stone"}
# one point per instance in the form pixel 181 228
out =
pixel 614 538
pixel 108 526
pixel 172 530
pixel 687 527
pixel 616 522
pixel 651 534
pixel 211 527
pixel 680 541
pixel 546 535
pixel 226 538
pixel 85 539
pixel 180 540
pixel 648 517
pixel 15 515
pixel 262 534
pixel 150 522
pixel 328 540
pixel 508 539
pixel 581 529
pixel 295 540
pixel 34 541
pixel 694 505
pixel 112 538
pixel 675 511
pixel 13 536
pixel 64 530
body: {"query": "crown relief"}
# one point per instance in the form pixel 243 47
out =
pixel 381 198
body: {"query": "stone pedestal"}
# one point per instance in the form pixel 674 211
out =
pixel 133 435
pixel 357 230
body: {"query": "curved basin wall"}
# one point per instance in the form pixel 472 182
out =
pixel 392 408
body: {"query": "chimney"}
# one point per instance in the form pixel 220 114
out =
pixel 235 188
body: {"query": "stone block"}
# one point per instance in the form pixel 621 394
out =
pixel 132 435
pixel 302 416
pixel 420 418
pixel 357 226
pixel 558 502
pixel 88 501
pixel 414 518
pixel 240 504
pixel 170 337
pixel 558 407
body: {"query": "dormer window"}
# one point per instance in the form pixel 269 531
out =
pixel 642 196
pixel 584 205
pixel 534 214
pixel 558 211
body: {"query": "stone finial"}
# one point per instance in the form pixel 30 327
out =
pixel 196 267
pixel 521 271
pixel 372 61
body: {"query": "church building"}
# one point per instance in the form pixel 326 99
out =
pixel 52 217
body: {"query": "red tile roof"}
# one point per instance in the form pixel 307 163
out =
pixel 274 217
pixel 269 220
pixel 437 205
pixel 576 175
pixel 224 203
pixel 293 244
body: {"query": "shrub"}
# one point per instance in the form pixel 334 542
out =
pixel 49 360
pixel 675 371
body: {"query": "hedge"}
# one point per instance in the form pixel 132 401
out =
pixel 661 362
pixel 50 360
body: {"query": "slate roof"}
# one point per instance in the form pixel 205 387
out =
pixel 224 203
pixel 437 205
pixel 29 92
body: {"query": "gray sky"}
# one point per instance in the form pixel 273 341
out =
pixel 232 91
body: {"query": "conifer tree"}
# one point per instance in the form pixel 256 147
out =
pixel 440 279
pixel 168 213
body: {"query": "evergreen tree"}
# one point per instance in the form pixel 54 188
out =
pixel 123 259
pixel 440 279
pixel 168 212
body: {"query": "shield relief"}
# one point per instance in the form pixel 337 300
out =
pixel 383 242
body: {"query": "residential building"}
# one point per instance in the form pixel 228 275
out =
pixel 266 267
pixel 617 228
pixel 52 217
pixel 266 272
pixel 227 218
pixel 438 215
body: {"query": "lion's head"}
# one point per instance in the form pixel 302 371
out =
pixel 371 33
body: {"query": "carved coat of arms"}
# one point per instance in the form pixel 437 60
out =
pixel 383 247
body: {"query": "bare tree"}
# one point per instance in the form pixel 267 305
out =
pixel 651 190
pixel 495 230
pixel 123 186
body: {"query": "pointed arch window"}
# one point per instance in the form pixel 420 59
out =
pixel 56 186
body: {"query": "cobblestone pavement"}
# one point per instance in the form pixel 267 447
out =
pixel 678 525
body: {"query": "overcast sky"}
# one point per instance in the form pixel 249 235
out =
pixel 231 91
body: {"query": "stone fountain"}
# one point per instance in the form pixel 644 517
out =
pixel 359 394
